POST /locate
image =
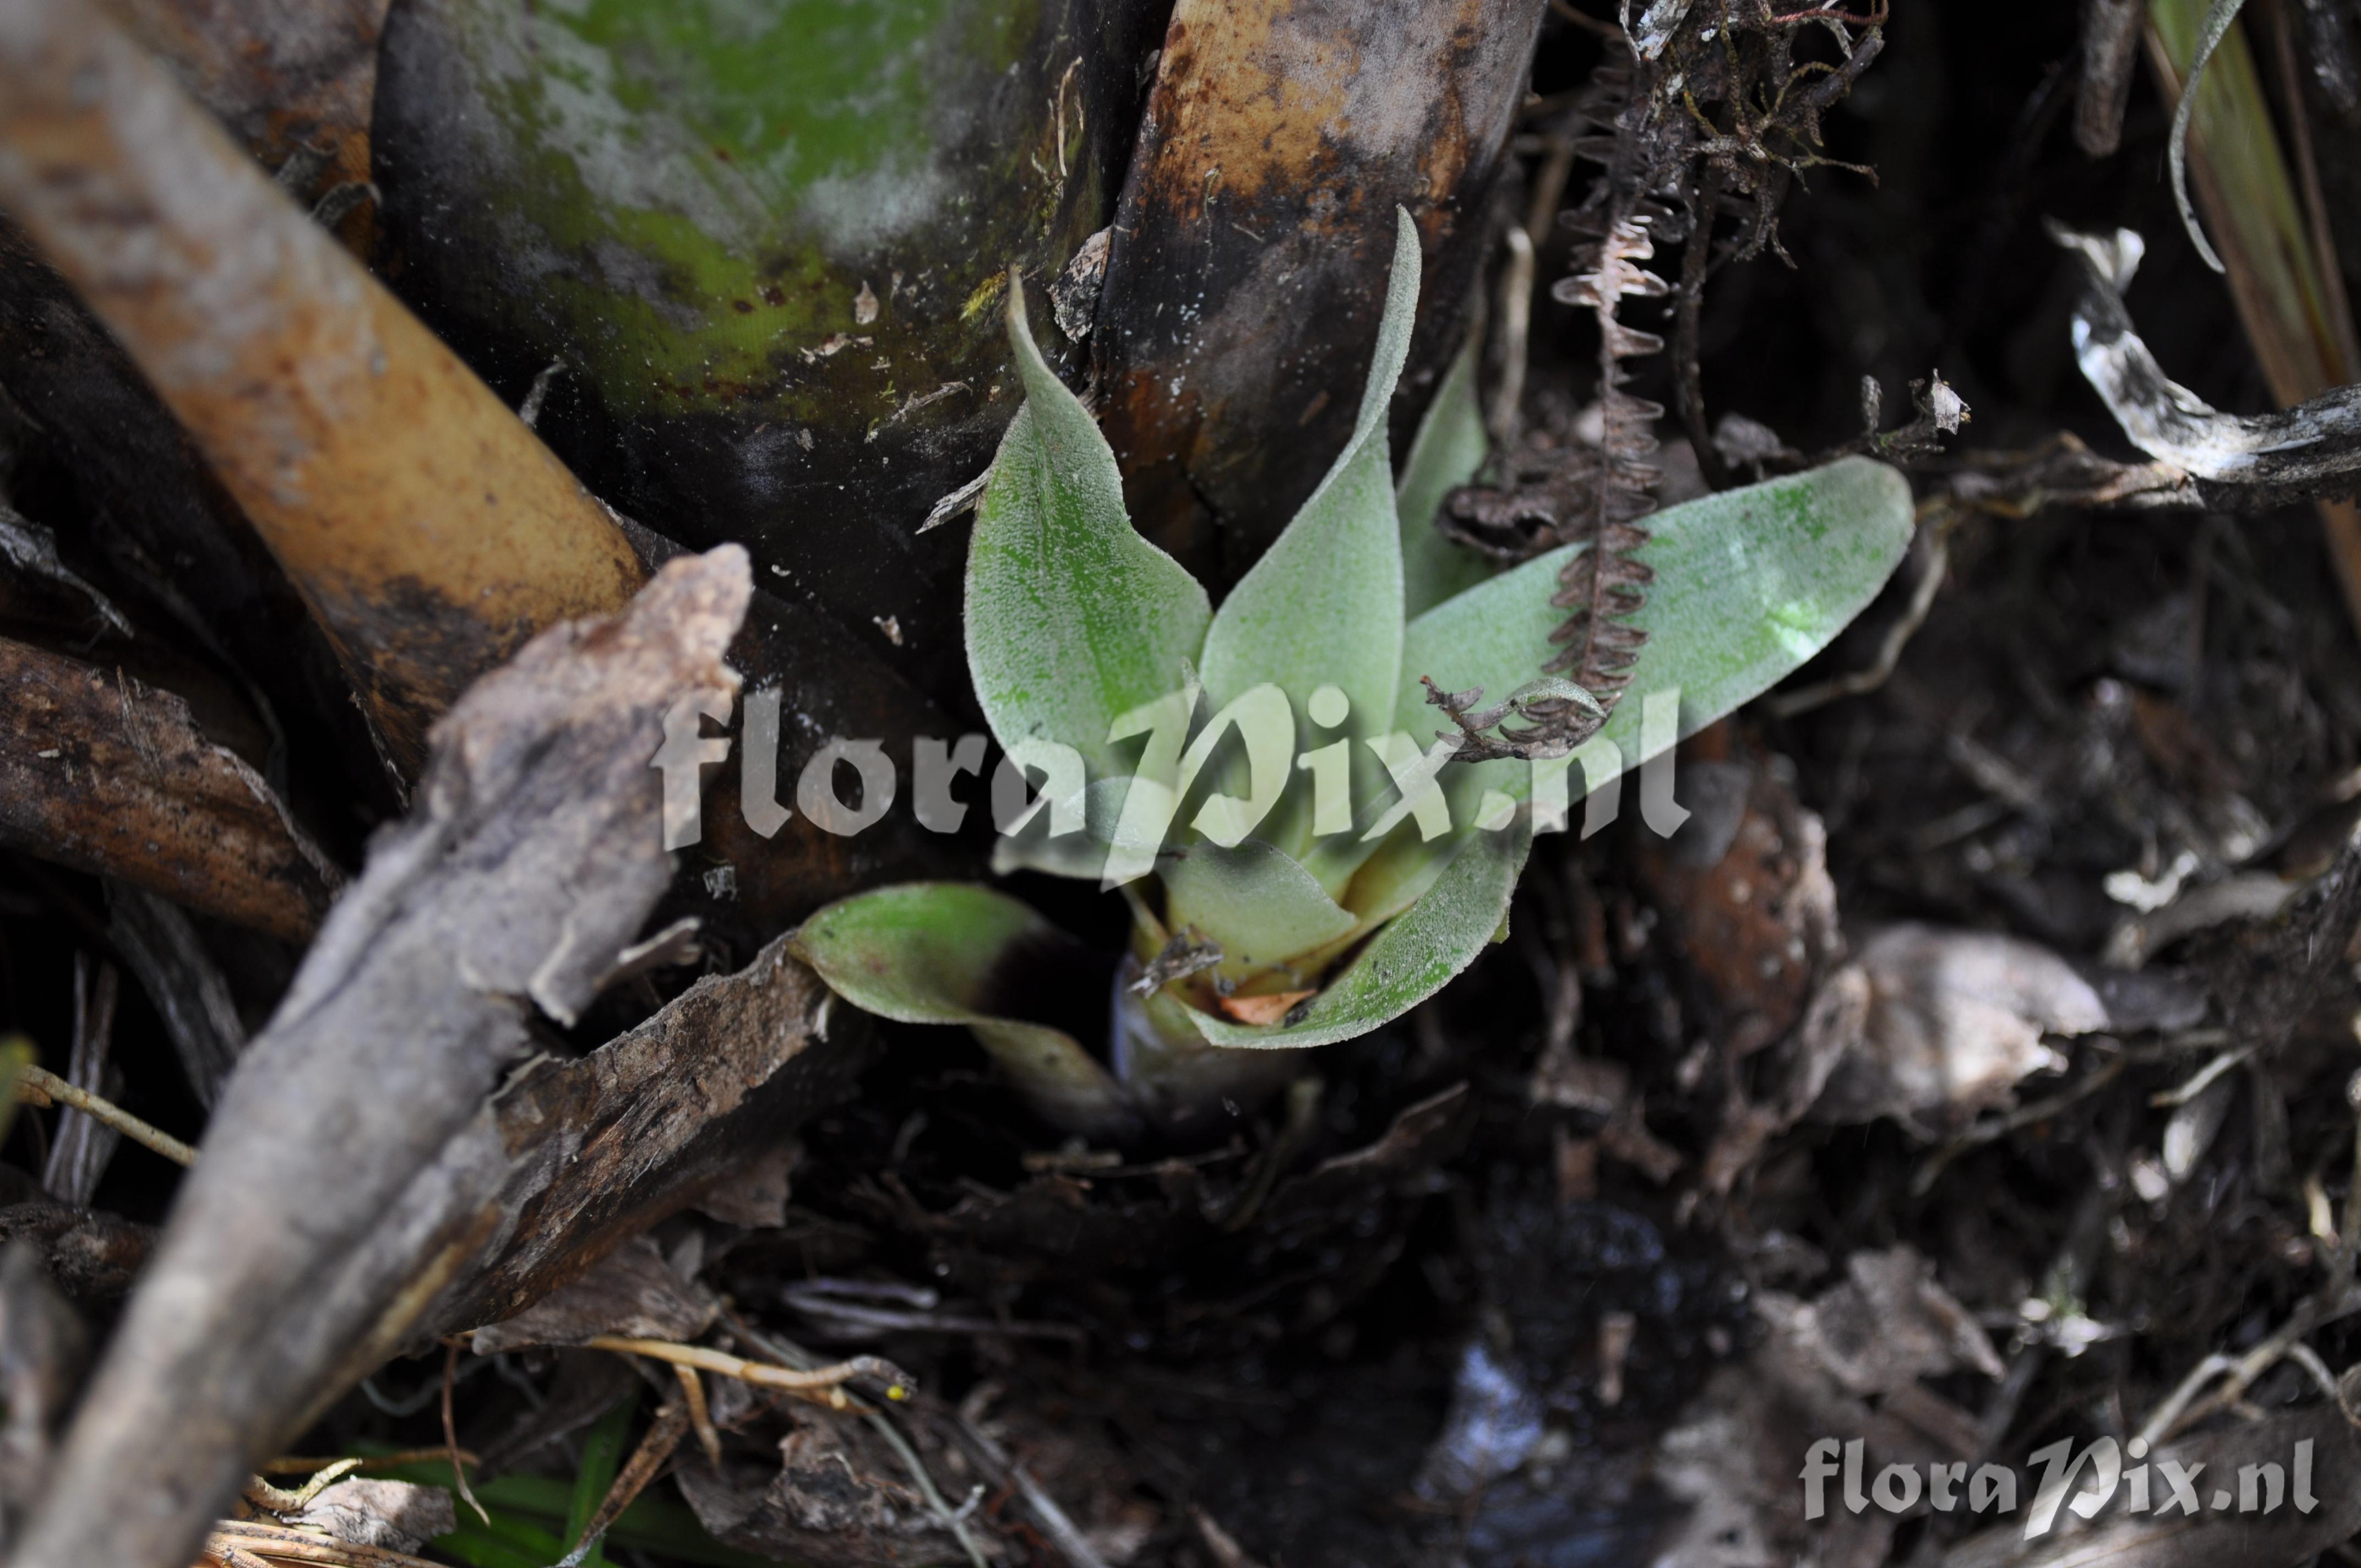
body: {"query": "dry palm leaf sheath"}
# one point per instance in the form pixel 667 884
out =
pixel 1136 785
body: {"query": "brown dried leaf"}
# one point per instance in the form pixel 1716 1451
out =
pixel 398 1515
pixel 1848 1363
pixel 631 1291
pixel 1955 1021
pixel 840 1499
pixel 1757 920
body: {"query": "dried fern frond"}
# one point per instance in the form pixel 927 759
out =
pixel 1601 587
pixel 1646 110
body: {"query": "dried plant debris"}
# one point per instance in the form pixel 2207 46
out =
pixel 1853 1360
pixel 838 1496
pixel 2212 1535
pixel 394 1516
pixel 1955 1021
pixel 105 772
pixel 31 550
pixel 2242 462
pixel 1745 884
pixel 527 870
pixel 634 1292
pixel 183 983
pixel 1713 103
pixel 81 1146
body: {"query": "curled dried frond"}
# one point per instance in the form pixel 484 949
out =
pixel 1189 952
pixel 1705 102
pixel 1483 736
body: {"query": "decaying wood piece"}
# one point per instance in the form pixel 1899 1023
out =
pixel 429 531
pixel 1247 265
pixel 518 883
pixel 601 1149
pixel 105 773
pixel 204 578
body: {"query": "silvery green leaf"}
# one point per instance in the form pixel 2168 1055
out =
pixel 1072 618
pixel 1445 453
pixel 1555 688
pixel 1411 959
pixel 1324 603
pixel 1258 903
pixel 937 953
pixel 1749 584
pixel 1080 855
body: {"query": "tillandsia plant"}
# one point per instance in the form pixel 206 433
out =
pixel 1305 855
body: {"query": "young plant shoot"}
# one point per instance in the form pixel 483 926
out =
pixel 1305 855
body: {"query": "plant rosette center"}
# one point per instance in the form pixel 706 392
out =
pixel 1304 852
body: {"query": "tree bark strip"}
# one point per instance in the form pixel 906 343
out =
pixel 1247 268
pixel 109 775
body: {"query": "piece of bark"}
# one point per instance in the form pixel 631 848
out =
pixel 106 774
pixel 1248 267
pixel 528 867
pixel 142 500
pixel 600 1150
pixel 429 531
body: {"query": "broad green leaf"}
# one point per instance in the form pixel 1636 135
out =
pixel 1413 958
pixel 1258 903
pixel 937 953
pixel 1445 453
pixel 1081 855
pixel 1324 603
pixel 1072 618
pixel 1749 584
